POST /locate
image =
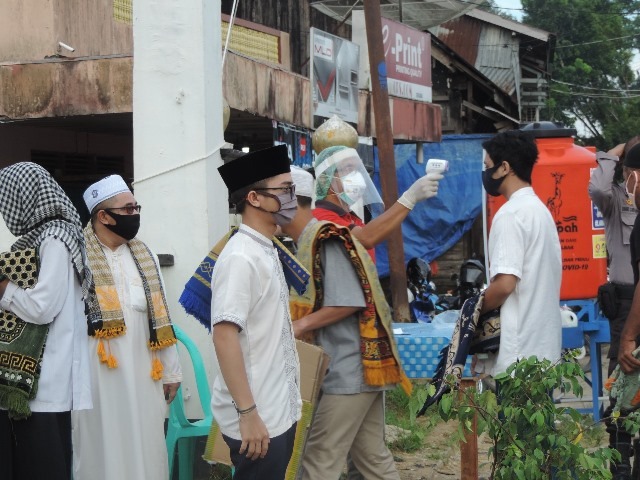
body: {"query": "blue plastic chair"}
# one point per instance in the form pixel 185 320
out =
pixel 179 427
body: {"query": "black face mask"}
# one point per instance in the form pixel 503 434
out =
pixel 126 226
pixel 491 185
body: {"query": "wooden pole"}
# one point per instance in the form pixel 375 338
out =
pixel 384 138
pixel 469 446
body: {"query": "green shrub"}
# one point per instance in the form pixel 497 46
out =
pixel 533 438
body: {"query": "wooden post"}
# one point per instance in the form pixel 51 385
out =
pixel 384 138
pixel 469 447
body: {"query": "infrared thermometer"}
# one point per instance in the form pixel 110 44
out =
pixel 436 165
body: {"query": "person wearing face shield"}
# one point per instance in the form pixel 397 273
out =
pixel 135 370
pixel 611 188
pixel 343 187
pixel 255 397
pixel 345 311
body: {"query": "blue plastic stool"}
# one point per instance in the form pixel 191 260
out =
pixel 179 426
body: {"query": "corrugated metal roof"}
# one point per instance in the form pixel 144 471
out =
pixel 462 35
pixel 521 28
pixel 493 50
pixel 420 14
pixel 498 57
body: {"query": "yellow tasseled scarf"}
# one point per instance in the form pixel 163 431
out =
pixel 109 323
pixel 380 359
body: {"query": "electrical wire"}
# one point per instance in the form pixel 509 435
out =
pixel 597 41
pixel 593 95
pixel 594 88
pixel 485 7
pixel 234 9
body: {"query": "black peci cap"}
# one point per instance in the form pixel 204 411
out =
pixel 255 166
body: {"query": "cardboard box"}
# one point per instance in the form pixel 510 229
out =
pixel 313 367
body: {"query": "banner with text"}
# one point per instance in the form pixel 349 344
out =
pixel 407 54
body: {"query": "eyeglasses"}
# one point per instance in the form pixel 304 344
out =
pixel 290 189
pixel 130 209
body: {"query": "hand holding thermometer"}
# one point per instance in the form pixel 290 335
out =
pixel 436 165
pixel 427 186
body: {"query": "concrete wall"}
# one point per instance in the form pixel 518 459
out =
pixel 31 29
pixel 177 124
pixel 62 88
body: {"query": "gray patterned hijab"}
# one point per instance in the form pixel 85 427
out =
pixel 34 207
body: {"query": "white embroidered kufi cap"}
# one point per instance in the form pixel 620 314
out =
pixel 303 181
pixel 103 190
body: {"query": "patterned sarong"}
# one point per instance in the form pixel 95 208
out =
pixel 380 358
pixel 473 333
pixel 109 322
pixel 21 343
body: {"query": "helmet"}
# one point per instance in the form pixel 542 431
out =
pixel 418 272
pixel 472 273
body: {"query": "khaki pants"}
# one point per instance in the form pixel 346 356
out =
pixel 348 424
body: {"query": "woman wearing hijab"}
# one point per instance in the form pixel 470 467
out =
pixel 43 350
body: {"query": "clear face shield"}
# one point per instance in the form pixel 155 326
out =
pixel 345 175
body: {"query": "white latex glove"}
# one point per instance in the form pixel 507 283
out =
pixel 423 188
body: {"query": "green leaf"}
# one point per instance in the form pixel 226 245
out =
pixel 445 404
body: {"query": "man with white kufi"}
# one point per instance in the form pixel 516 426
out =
pixel 135 368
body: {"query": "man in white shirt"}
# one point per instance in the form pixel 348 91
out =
pixel 525 260
pixel 35 443
pixel 134 361
pixel 256 395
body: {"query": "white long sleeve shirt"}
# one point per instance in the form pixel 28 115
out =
pixel 56 300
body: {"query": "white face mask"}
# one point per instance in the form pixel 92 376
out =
pixel 353 187
pixel 632 195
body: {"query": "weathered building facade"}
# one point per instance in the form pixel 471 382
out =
pixel 72 110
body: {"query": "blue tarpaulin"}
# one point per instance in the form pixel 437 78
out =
pixel 435 225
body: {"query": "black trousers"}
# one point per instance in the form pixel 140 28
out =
pixel 272 467
pixel 37 448
pixel 616 325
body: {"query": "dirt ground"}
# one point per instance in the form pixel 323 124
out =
pixel 440 458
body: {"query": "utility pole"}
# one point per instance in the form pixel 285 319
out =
pixel 384 136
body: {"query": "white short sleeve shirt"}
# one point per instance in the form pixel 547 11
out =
pixel 249 289
pixel 523 241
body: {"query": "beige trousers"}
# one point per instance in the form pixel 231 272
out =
pixel 348 424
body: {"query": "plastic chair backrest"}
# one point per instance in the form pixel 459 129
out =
pixel 202 383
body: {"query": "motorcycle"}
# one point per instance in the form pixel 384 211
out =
pixel 421 291
pixel 471 280
pixel 424 301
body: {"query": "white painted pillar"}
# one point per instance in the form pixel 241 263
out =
pixel 177 130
